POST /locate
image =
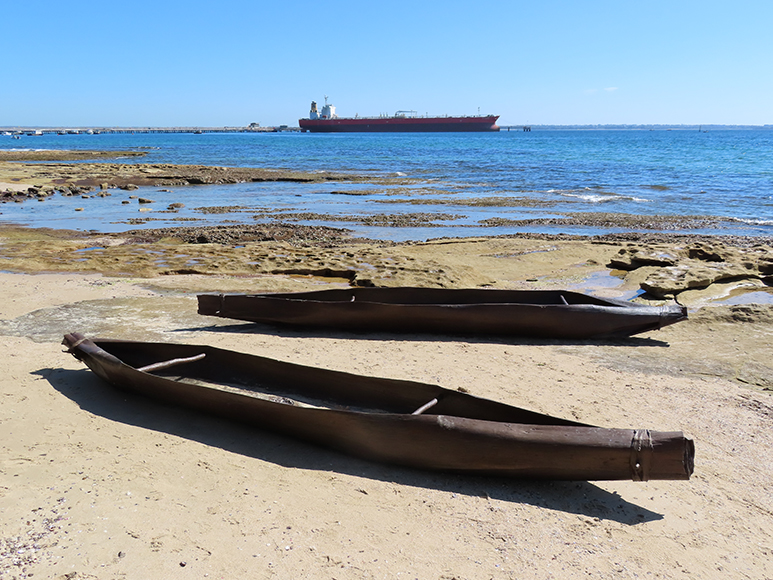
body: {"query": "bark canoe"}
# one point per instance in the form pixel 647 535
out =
pixel 392 421
pixel 526 313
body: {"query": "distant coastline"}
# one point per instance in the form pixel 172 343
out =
pixel 767 127
pixel 254 128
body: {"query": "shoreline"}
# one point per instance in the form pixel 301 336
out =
pixel 693 270
pixel 85 470
pixel 652 265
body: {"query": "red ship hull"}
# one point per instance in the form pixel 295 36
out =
pixel 400 124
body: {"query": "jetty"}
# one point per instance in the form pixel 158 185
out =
pixel 33 131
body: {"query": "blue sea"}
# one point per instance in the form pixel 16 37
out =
pixel 725 174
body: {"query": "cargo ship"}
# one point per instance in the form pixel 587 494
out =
pixel 326 121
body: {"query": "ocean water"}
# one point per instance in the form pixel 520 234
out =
pixel 468 184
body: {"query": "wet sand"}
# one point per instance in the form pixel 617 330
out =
pixel 98 484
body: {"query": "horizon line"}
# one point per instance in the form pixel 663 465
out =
pixel 257 128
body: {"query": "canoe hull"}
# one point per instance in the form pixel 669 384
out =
pixel 541 314
pixel 461 433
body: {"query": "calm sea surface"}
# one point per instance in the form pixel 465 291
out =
pixel 526 176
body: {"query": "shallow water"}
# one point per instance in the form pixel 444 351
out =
pixel 743 296
pixel 541 174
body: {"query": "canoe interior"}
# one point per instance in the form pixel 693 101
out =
pixel 450 296
pixel 309 386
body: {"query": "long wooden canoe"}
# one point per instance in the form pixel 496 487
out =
pixel 399 422
pixel 530 313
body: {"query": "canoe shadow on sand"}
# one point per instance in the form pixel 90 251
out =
pixel 92 394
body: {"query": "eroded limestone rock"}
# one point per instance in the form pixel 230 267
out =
pixel 695 266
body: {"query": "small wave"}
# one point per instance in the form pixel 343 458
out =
pixel 27 149
pixel 752 222
pixel 603 197
pixel 593 198
pixel 400 174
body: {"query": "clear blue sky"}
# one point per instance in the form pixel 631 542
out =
pixel 230 63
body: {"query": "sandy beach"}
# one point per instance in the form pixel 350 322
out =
pixel 98 484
